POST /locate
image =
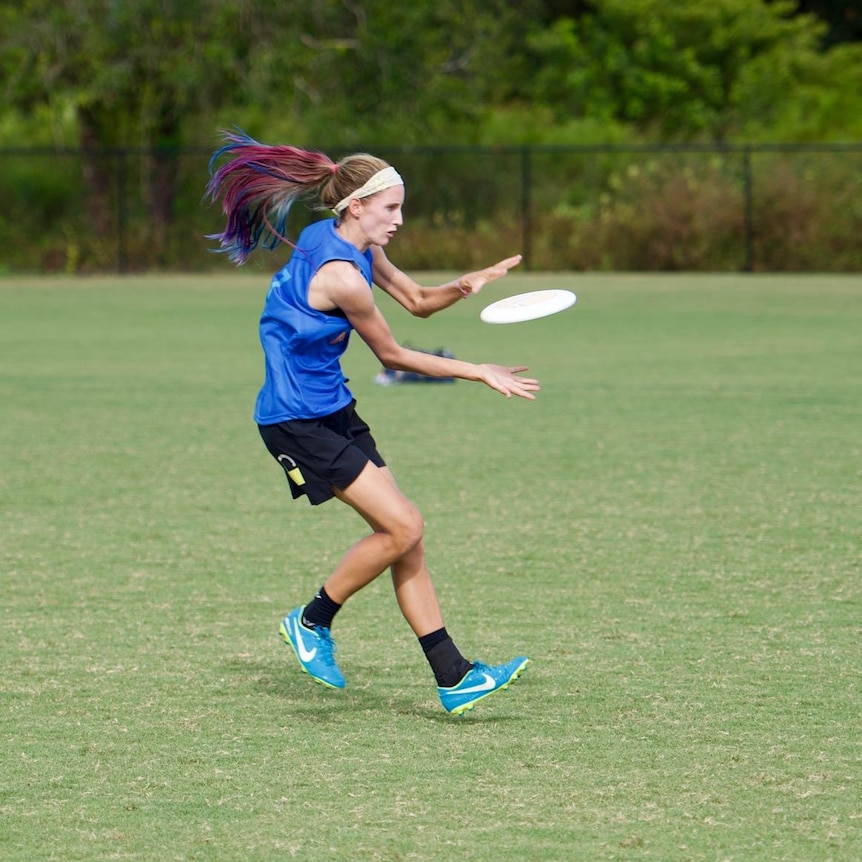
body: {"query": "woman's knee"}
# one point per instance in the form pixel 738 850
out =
pixel 375 496
pixel 408 532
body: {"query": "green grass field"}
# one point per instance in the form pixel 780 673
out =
pixel 671 532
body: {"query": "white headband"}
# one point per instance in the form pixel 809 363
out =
pixel 385 179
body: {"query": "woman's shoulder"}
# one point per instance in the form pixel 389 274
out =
pixel 320 243
pixel 318 229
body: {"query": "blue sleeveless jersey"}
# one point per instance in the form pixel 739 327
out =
pixel 302 346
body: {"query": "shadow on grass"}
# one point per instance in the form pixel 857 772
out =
pixel 304 699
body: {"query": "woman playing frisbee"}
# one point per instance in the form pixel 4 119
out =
pixel 305 412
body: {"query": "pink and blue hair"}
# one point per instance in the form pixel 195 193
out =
pixel 258 186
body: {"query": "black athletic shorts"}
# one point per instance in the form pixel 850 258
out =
pixel 317 454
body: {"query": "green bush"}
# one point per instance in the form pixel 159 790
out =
pixel 808 214
pixel 587 209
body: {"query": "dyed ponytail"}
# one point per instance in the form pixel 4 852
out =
pixel 258 186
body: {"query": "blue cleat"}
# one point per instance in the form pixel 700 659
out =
pixel 314 647
pixel 481 681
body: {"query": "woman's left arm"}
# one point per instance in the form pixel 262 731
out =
pixel 424 301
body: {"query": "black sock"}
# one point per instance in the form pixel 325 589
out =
pixel 320 611
pixel 446 661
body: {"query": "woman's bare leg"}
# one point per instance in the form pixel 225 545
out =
pixel 396 543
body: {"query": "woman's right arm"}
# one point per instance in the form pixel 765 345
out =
pixel 425 301
pixel 342 285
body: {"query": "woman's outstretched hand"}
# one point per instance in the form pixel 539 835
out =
pixel 508 381
pixel 473 282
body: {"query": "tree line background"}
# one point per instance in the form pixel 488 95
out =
pixel 109 109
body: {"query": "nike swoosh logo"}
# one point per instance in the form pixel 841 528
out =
pixel 304 654
pixel 487 685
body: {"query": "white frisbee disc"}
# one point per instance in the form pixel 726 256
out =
pixel 528 306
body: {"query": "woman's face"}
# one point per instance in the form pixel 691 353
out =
pixel 380 215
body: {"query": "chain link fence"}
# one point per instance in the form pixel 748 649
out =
pixel 792 208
